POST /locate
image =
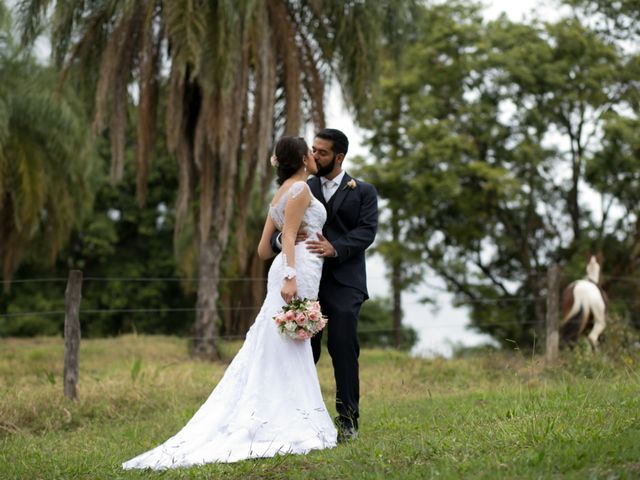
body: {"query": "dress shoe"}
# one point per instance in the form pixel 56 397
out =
pixel 347 434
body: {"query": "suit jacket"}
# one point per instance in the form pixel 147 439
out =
pixel 352 222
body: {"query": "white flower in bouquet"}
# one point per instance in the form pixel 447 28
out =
pixel 291 326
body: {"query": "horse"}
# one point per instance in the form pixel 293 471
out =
pixel 584 303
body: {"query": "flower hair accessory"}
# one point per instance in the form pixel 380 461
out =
pixel 274 161
pixel 351 184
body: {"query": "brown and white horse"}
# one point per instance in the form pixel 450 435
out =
pixel 584 304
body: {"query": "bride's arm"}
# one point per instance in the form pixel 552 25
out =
pixel 293 214
pixel 264 247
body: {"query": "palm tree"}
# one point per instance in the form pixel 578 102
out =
pixel 46 158
pixel 237 74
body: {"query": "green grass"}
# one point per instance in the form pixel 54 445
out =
pixel 491 416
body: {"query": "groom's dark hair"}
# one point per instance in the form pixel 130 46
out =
pixel 339 139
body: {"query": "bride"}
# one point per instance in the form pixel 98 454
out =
pixel 268 402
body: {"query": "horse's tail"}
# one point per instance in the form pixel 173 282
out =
pixel 572 319
pixel 569 305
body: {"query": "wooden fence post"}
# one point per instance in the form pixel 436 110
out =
pixel 72 298
pixel 553 335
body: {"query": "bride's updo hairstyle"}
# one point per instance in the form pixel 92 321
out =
pixel 289 154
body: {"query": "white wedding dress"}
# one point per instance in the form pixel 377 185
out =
pixel 268 402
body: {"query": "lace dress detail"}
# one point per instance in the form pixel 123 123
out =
pixel 314 217
pixel 269 401
pixel 309 265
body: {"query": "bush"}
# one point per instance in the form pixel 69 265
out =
pixel 20 323
pixel 618 350
pixel 376 326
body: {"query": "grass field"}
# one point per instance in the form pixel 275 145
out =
pixel 490 416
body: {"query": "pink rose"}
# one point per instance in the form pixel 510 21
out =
pixel 290 315
pixel 300 318
pixel 280 319
pixel 315 307
pixel 302 335
pixel 313 315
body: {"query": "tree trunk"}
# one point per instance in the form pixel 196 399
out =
pixel 397 307
pixel 576 171
pixel 244 298
pixel 217 152
pixel 258 287
pixel 205 341
pixel 396 282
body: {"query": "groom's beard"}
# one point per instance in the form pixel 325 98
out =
pixel 327 169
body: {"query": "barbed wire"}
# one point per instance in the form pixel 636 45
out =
pixel 136 279
pixel 177 309
pixel 148 279
pixel 256 308
pixel 33 280
pixel 230 279
pixel 174 279
pixel 111 311
pixel 437 326
pixel 129 310
pixel 360 330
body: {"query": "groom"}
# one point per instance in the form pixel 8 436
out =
pixel 352 220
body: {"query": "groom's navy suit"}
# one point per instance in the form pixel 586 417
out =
pixel 352 221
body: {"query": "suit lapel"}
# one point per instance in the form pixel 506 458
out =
pixel 340 194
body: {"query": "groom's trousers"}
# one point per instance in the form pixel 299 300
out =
pixel 341 304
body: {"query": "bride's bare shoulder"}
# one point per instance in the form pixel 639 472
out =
pixel 290 189
pixel 297 188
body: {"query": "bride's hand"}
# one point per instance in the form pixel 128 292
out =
pixel 289 289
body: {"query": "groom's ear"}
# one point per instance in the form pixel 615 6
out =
pixel 340 158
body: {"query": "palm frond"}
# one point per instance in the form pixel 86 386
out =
pixel 31 16
pixel 179 120
pixel 284 28
pixel 147 106
pixel 46 158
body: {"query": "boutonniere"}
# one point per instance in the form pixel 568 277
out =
pixel 351 184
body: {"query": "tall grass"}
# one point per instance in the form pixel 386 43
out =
pixel 499 415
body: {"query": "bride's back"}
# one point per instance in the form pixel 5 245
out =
pixel 308 265
pixel 314 216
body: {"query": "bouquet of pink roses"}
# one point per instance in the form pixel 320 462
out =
pixel 300 319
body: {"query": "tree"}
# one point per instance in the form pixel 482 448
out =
pixel 488 196
pixel 47 161
pixel 619 19
pixel 233 68
pixel 383 114
pixel 614 171
pixel 419 83
pixel 125 253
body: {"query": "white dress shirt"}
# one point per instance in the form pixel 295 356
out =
pixel 330 187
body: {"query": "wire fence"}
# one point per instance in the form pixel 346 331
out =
pixel 256 308
pixel 225 279
pixel 61 313
pixel 544 318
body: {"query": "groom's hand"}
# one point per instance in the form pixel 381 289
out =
pixel 321 247
pixel 301 236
